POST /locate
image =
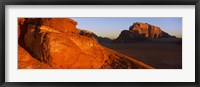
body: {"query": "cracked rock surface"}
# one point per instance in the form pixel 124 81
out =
pixel 55 43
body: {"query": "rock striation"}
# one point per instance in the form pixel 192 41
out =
pixel 57 43
pixel 141 31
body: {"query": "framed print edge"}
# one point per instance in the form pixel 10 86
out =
pixel 2 43
pixel 197 32
pixel 102 84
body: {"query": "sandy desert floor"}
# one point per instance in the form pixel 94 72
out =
pixel 159 54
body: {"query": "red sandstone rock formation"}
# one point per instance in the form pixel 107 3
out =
pixel 150 31
pixel 20 22
pixel 140 31
pixel 57 43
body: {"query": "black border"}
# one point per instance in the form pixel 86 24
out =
pixel 99 2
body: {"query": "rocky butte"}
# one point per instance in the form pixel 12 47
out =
pixel 56 43
pixel 141 31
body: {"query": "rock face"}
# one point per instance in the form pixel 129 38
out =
pixel 140 31
pixel 57 43
pixel 26 61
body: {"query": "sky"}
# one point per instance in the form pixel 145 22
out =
pixel 111 27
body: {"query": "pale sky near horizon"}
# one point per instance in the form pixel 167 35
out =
pixel 112 26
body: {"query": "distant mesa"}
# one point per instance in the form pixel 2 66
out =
pixel 141 31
